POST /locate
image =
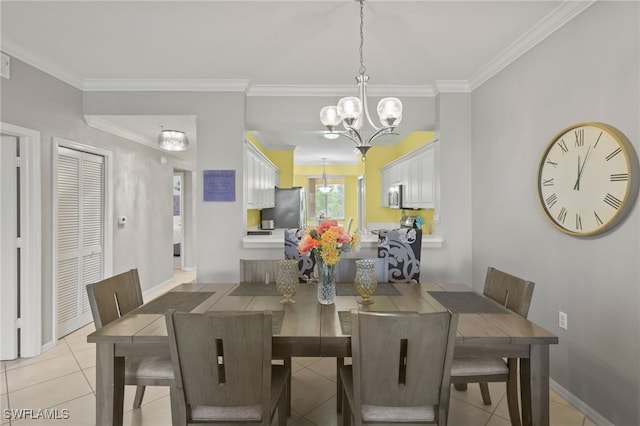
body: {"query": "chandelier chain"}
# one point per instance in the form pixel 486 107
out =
pixel 362 68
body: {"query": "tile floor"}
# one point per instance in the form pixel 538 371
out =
pixel 63 378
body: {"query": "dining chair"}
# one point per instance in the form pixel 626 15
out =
pixel 255 271
pixel 111 298
pixel 401 247
pixel 515 294
pixel 401 363
pixel 306 262
pixel 222 365
pixel 258 270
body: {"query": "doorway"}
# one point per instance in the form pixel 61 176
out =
pixel 82 230
pixel 20 243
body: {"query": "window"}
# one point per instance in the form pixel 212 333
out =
pixel 330 204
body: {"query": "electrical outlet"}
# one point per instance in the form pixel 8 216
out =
pixel 562 320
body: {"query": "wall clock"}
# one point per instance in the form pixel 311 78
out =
pixel 588 179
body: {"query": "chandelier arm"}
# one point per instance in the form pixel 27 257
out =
pixel 358 141
pixel 365 102
pixel 383 131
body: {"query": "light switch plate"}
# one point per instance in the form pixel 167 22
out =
pixel 5 68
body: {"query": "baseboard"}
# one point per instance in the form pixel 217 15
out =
pixel 579 405
pixel 156 288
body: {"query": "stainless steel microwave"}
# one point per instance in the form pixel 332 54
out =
pixel 395 196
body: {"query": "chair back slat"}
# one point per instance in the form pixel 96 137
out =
pixel 222 359
pixel 258 270
pixel 402 359
pixel 510 291
pixel 114 296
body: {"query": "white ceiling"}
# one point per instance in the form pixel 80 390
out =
pixel 301 48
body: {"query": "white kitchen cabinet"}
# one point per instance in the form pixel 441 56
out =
pixel 416 172
pixel 261 177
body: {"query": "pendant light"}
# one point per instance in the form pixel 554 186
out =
pixel 173 140
pixel 325 189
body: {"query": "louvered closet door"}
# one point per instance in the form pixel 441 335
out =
pixel 80 186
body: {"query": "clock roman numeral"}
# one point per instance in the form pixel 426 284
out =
pixel 579 134
pixel 551 200
pixel 620 177
pixel 563 146
pixel 552 163
pixel 578 221
pixel 612 201
pixel 562 216
pixel 613 154
pixel 598 220
pixel 547 182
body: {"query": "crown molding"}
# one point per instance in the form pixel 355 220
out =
pixel 351 90
pixel 42 63
pixel 547 26
pixel 101 124
pixel 452 86
pixel 166 85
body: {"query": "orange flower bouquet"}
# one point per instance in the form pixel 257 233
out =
pixel 326 242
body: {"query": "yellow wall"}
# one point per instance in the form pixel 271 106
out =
pixel 377 157
pixel 350 173
pixel 283 159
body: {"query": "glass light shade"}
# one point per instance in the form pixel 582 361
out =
pixel 350 108
pixel 173 140
pixel 390 111
pixel 329 116
pixel 324 189
pixel 330 135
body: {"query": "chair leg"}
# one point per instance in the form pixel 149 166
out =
pixel 339 365
pixel 462 387
pixel 486 396
pixel 137 400
pixel 178 408
pixel 512 392
pixel 346 408
pixel 287 363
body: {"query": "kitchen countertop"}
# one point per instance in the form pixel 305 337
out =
pixel 370 240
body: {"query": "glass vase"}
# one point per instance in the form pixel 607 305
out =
pixel 326 282
pixel 287 280
pixel 365 281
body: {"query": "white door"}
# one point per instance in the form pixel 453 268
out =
pixel 9 258
pixel 80 244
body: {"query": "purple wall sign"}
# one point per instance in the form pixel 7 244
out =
pixel 219 185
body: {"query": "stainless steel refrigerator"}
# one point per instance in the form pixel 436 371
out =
pixel 289 210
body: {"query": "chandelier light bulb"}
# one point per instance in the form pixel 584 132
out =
pixel 329 116
pixel 350 109
pixel 390 111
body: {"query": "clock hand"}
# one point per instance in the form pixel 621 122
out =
pixel 581 169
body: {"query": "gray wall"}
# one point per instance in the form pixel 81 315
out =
pixel 142 185
pixel 587 71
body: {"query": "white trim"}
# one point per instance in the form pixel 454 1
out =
pixel 317 90
pixel 166 85
pixel 101 124
pixel 31 247
pixel 42 63
pixel 547 26
pixel 579 405
pixel 108 215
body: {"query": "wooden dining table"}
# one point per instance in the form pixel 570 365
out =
pixel 309 329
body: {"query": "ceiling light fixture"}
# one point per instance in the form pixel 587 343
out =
pixel 350 109
pixel 325 189
pixel 173 140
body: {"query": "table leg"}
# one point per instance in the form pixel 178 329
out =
pixel 535 408
pixel 109 385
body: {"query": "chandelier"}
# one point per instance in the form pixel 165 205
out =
pixel 350 110
pixel 325 189
pixel 173 140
